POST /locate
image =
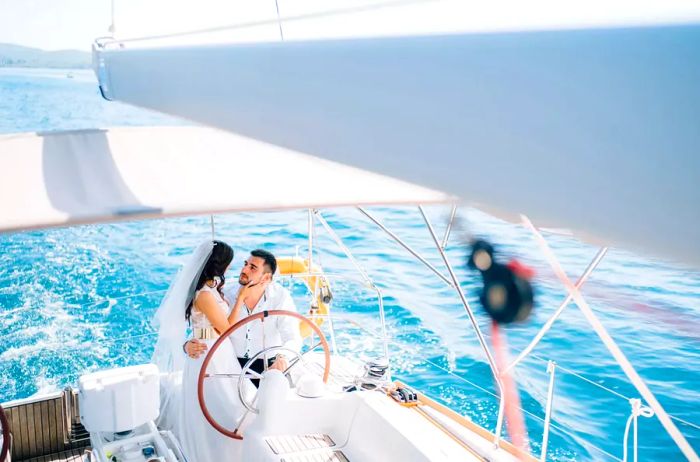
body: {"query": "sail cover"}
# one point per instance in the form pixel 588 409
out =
pixel 53 179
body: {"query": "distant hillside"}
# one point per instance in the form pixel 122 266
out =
pixel 19 56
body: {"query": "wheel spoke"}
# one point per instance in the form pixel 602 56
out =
pixel 299 358
pixel 251 374
pixel 240 420
pixel 292 363
pixel 312 348
pixel 222 375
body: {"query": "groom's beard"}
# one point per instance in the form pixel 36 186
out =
pixel 244 279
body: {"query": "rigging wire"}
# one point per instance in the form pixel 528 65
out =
pixel 264 22
pixel 112 27
pixel 279 19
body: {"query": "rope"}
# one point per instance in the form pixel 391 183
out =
pixel 513 409
pixel 637 410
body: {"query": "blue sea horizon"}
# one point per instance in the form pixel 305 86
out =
pixel 79 299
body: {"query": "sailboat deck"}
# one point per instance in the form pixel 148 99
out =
pixel 46 428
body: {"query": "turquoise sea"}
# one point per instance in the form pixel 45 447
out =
pixel 79 299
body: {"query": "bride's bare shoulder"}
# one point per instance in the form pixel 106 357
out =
pixel 203 297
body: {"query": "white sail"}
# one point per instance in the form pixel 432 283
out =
pixel 92 176
pixel 597 131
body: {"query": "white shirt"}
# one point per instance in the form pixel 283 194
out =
pixel 277 330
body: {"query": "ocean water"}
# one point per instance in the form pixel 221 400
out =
pixel 79 299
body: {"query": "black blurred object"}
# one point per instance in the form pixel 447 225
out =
pixel 507 293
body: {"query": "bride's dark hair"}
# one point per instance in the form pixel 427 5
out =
pixel 220 258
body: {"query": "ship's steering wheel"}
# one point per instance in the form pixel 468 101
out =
pixel 5 435
pixel 246 373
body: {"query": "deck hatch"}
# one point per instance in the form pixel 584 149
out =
pixel 325 455
pixel 284 444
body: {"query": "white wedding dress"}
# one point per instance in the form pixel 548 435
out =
pixel 200 441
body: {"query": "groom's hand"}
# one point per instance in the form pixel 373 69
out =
pixel 194 348
pixel 280 363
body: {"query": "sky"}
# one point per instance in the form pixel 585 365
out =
pixel 74 24
pixel 63 24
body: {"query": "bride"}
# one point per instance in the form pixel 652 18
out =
pixel 196 297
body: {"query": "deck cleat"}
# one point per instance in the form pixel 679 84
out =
pixel 405 396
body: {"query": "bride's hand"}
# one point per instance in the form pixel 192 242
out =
pixel 249 288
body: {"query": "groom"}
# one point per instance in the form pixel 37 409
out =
pixel 257 293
